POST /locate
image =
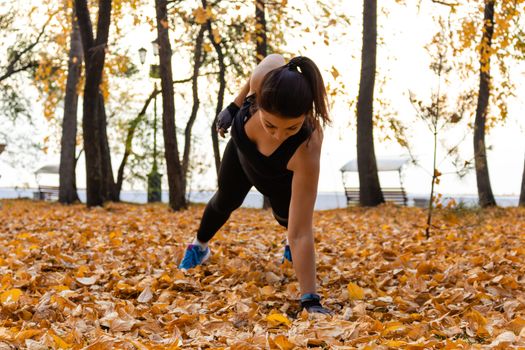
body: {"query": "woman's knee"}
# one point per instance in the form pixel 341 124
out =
pixel 225 204
pixel 282 220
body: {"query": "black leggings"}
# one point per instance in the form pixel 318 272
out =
pixel 233 188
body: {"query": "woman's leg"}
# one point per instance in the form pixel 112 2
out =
pixel 280 203
pixel 233 188
pixel 280 207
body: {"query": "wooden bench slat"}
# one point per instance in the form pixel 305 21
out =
pixel 46 193
pixel 391 194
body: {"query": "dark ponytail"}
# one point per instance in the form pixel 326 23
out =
pixel 295 89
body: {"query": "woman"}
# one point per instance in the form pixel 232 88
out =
pixel 276 146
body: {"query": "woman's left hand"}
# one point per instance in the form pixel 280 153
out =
pixel 314 306
pixel 225 118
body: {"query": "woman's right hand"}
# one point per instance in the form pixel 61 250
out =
pixel 225 118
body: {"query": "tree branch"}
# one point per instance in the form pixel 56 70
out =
pixel 12 71
pixel 17 57
pixel 441 2
pixel 103 23
pixel 187 132
pixel 84 23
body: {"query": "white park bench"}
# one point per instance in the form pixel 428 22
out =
pixel 396 194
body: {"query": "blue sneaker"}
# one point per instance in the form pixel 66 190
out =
pixel 287 254
pixel 194 256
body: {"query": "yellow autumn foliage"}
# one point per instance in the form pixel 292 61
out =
pixel 64 284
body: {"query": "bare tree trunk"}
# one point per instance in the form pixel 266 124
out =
pixel 94 57
pixel 486 197
pixel 131 133
pixel 220 95
pixel 110 190
pixel 434 178
pixel 177 197
pixel 197 62
pixel 369 189
pixel 67 193
pixel 215 144
pixel 129 139
pixel 522 195
pixel 260 31
pixel 261 50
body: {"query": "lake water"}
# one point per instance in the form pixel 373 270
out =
pixel 325 200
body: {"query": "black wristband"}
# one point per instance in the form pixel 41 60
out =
pixel 310 296
pixel 233 109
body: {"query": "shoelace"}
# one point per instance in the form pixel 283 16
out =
pixel 191 257
pixel 287 255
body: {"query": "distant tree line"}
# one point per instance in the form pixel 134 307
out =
pixel 222 44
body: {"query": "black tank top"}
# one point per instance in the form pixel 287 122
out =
pixel 264 170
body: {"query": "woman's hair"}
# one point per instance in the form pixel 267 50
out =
pixel 295 89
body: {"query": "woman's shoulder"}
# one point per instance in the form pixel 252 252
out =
pixel 269 63
pixel 308 154
pixel 313 144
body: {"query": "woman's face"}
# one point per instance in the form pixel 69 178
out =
pixel 278 127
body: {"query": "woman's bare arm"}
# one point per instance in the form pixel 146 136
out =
pixel 305 165
pixel 269 63
pixel 242 94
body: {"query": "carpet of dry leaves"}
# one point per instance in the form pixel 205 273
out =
pixel 107 278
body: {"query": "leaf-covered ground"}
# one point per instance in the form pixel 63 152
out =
pixel 107 278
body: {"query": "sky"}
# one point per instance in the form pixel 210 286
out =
pixel 404 63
